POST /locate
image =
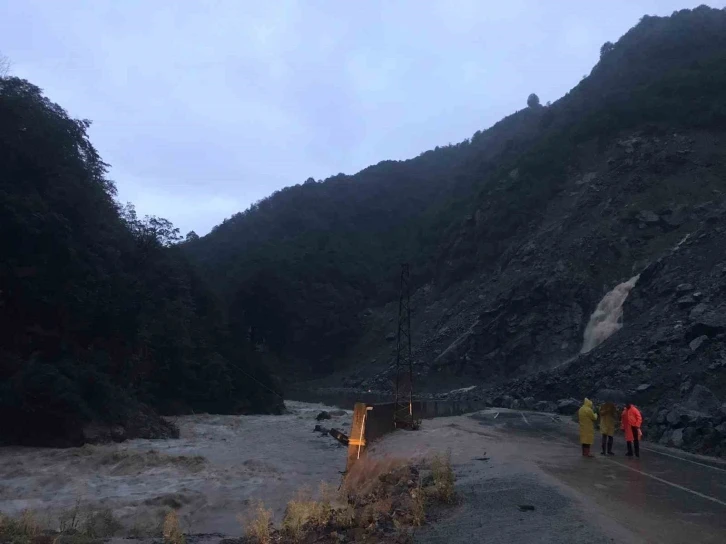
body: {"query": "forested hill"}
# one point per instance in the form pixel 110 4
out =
pixel 104 323
pixel 301 268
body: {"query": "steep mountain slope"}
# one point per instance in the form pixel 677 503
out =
pixel 514 235
pixel 105 323
pixel 307 260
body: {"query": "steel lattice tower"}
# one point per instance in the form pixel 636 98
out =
pixel 403 411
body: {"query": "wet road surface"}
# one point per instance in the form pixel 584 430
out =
pixel 505 460
pixel 665 496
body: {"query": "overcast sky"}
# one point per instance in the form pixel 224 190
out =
pixel 203 107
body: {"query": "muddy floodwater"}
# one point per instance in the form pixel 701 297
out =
pixel 213 473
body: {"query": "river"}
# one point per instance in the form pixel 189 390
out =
pixel 215 471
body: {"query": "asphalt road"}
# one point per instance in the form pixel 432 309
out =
pixel 665 496
pixel 522 479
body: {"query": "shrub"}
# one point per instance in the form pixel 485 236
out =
pixel 171 531
pixel 257 526
pixel 101 524
pixel 19 531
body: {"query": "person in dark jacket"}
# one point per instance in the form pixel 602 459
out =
pixel 608 416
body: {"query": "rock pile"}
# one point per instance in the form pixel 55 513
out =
pixel 699 424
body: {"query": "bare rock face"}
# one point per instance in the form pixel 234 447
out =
pixel 669 357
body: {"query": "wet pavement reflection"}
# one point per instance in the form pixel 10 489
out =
pixel 665 496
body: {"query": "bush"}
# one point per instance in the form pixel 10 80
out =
pixel 257 526
pixel 19 531
pixel 171 531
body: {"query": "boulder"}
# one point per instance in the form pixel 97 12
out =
pixel 681 416
pixel 643 387
pixel 323 415
pixel 95 433
pixel 703 400
pixel 697 342
pixel 709 322
pixel 568 406
pixel 611 395
pixel 690 434
pixel 504 401
pixel 649 217
pixel 118 433
pixel 698 311
pixel 684 288
pixel 545 406
pixel 676 438
pixel 686 301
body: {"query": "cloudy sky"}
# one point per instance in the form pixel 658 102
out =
pixel 205 106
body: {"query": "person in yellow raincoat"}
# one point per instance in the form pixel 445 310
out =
pixel 608 413
pixel 587 420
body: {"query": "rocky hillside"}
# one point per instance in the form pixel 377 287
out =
pixel 670 355
pixel 514 237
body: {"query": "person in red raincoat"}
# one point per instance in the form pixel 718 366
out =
pixel 630 422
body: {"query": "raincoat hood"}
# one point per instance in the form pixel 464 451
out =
pixel 587 419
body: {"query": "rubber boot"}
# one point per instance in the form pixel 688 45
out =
pixel 610 445
pixel 586 451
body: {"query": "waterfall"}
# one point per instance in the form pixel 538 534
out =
pixel 607 317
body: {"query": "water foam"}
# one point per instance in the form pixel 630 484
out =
pixel 607 318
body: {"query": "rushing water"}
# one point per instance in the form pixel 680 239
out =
pixel 218 468
pixel 607 318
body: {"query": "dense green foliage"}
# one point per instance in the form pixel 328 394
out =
pixel 301 265
pixel 101 312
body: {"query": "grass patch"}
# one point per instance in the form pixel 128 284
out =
pixel 381 501
pixel 22 530
pixel 304 510
pixel 418 506
pixel 258 526
pixel 75 526
pixel 171 531
pixel 443 479
pixel 101 524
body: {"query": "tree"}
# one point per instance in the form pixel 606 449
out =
pixel 606 48
pixel 191 236
pixel 533 101
pixel 4 66
pixel 104 319
pixel 150 228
